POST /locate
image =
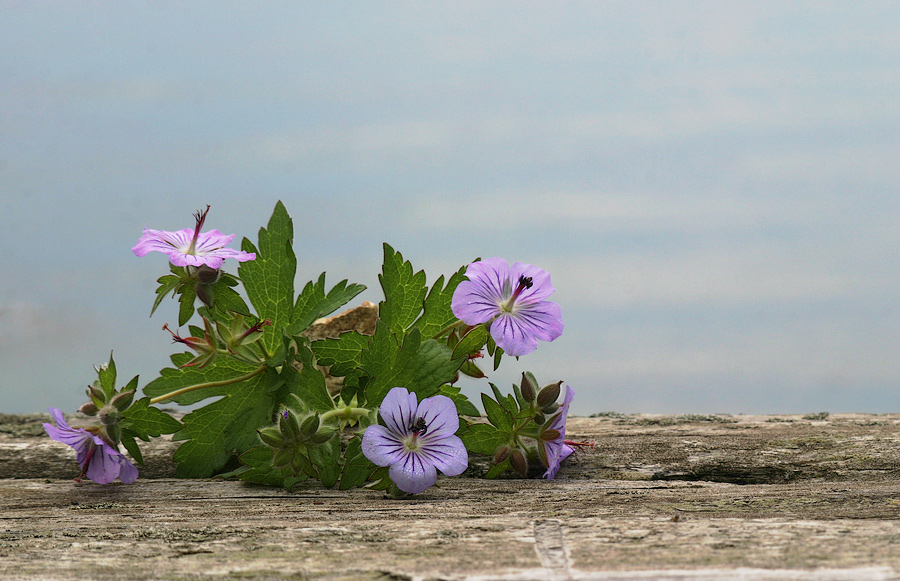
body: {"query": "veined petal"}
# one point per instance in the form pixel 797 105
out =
pixel 398 410
pixel 104 466
pixel 540 282
pixel 163 241
pixel 543 319
pixel 440 415
pixel 413 473
pixel 447 454
pixel 512 336
pixel 381 446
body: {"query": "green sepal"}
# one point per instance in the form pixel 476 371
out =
pixel 131 446
pixel 471 342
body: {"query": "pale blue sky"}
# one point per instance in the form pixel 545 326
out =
pixel 713 186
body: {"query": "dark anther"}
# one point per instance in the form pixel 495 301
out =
pixel 525 281
pixel 418 427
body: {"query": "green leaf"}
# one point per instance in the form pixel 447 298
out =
pixel 261 471
pixel 342 354
pixel 308 384
pixel 404 291
pixel 269 279
pixel 496 413
pixel 131 446
pixel 464 407
pixel 225 298
pixel 313 303
pixel 421 367
pixel 437 314
pixel 168 283
pixel 498 469
pixel 224 427
pixel 326 458
pixel 357 468
pixel 107 376
pixel 148 422
pixel 483 439
pixel 171 379
pixel 186 304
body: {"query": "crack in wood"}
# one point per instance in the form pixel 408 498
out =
pixel 550 547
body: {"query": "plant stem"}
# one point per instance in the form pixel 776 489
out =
pixel 191 388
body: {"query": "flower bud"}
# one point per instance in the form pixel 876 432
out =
pixel 88 409
pixel 310 426
pixel 207 274
pixel 529 386
pixel 122 400
pixel 502 453
pixel 290 427
pixel 322 436
pixel 271 437
pixel 549 435
pixel 549 394
pixel 518 462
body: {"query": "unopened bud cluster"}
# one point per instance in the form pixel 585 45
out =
pixel 291 436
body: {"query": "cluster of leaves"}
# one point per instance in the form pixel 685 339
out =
pixel 285 385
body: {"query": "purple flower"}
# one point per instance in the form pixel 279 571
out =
pixel 553 452
pixel 99 461
pixel 417 440
pixel 191 247
pixel 511 299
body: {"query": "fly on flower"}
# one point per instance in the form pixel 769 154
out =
pixel 511 299
pixel 416 440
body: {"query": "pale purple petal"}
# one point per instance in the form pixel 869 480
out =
pixel 382 446
pixel 398 410
pixel 540 282
pixel 413 474
pixel 518 319
pixel 449 455
pixel 210 248
pixel 557 450
pixel 440 415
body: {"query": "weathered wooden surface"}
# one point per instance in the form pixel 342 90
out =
pixel 687 497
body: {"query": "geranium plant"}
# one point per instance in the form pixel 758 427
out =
pixel 266 414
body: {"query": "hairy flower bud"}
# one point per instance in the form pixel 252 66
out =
pixel 549 435
pixel 310 426
pixel 122 400
pixel 549 394
pixel 207 275
pixel 290 426
pixel 529 386
pixel 502 453
pixel 271 436
pixel 88 409
pixel 518 462
pixel 96 393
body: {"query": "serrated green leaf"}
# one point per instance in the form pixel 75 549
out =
pixel 226 298
pixel 172 379
pixel 107 376
pixel 342 354
pixel 326 458
pixel 483 439
pixel 421 367
pixel 167 284
pixel 186 304
pixel 404 291
pixel 308 384
pixel 215 432
pixel 313 303
pixel 269 279
pixel 437 314
pixel 148 422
